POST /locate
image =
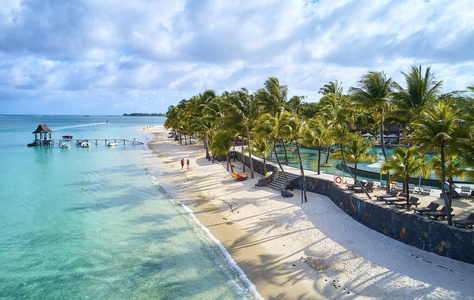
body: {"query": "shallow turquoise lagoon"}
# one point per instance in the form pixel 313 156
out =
pixel 92 223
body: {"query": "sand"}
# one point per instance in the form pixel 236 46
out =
pixel 290 250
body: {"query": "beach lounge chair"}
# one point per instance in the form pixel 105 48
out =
pixel 465 190
pixel 465 223
pixel 239 177
pixel 352 186
pixel 426 189
pixel 439 213
pixel 403 203
pixel 398 186
pixel 411 188
pixel 391 200
pixel 368 187
pixel 380 197
pixel 431 207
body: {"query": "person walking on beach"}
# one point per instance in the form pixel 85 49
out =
pixel 182 163
pixel 187 162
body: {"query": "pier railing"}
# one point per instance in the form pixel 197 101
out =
pixel 51 142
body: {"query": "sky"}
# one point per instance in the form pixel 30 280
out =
pixel 114 56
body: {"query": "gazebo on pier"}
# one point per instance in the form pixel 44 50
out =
pixel 44 139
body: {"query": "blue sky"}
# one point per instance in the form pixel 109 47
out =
pixel 114 56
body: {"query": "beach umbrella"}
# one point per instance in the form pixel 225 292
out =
pixel 367 135
pixel 392 136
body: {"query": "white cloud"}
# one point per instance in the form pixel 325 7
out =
pixel 133 51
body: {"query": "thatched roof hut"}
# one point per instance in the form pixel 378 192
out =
pixel 43 128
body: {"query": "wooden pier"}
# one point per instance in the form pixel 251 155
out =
pixel 97 141
pixel 43 138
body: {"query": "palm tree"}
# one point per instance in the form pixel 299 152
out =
pixel 421 89
pixel 241 108
pixel 261 148
pixel 272 98
pixel 289 126
pixel 317 134
pixel 267 127
pixel 454 168
pixel 405 163
pixel 221 146
pixel 357 151
pixel 435 130
pixel 342 137
pixel 373 93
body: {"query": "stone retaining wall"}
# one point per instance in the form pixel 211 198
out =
pixel 414 230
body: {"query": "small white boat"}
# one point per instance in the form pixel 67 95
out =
pixel 65 145
pixel 85 144
pixel 112 144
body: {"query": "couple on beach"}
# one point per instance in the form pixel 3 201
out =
pixel 182 163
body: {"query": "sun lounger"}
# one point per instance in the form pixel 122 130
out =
pixel 390 200
pixel 411 188
pixel 380 197
pixel 431 207
pixel 442 213
pixel 426 189
pixel 465 223
pixel 352 186
pixel 403 203
pixel 465 190
pixel 368 187
pixel 399 186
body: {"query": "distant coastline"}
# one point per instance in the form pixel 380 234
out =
pixel 144 115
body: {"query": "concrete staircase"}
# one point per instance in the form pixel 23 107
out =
pixel 280 181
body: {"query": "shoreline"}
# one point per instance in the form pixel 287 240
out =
pixel 268 235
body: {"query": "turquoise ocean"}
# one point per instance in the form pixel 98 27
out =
pixel 93 223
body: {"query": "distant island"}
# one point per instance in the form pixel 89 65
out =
pixel 144 115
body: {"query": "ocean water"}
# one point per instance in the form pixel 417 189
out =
pixel 92 223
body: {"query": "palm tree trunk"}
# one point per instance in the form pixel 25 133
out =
pixel 229 163
pixel 284 149
pixel 206 145
pixel 250 154
pixel 382 142
pixel 264 165
pixel 443 184
pixel 329 154
pixel 283 171
pixel 319 160
pixel 355 170
pixel 405 182
pixel 349 171
pixel 243 156
pixel 303 182
pixel 451 191
pixel 234 149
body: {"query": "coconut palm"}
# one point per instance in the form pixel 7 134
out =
pixel 290 127
pixel 421 89
pixel 317 134
pixel 261 148
pixel 372 93
pixel 405 163
pixel 241 109
pixel 342 137
pixel 272 98
pixel 454 168
pixel 357 151
pixel 266 127
pixel 436 130
pixel 221 145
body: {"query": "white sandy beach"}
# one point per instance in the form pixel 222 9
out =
pixel 268 235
